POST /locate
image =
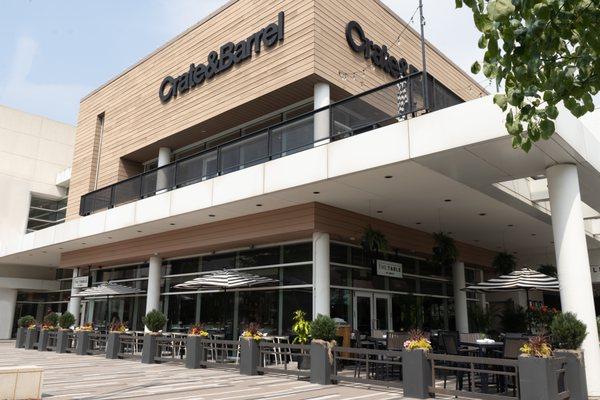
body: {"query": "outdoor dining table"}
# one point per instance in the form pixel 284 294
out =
pixel 483 350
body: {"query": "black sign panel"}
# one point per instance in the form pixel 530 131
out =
pixel 228 55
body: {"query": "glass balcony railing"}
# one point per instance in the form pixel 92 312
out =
pixel 372 109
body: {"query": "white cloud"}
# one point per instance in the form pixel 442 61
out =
pixel 54 100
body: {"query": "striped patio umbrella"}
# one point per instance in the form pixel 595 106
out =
pixel 225 279
pixel 523 279
pixel 107 290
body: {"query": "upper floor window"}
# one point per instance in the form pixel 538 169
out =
pixel 45 212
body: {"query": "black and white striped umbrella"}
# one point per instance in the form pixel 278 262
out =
pixel 523 279
pixel 226 279
pixel 108 289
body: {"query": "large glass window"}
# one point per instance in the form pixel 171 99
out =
pixel 44 213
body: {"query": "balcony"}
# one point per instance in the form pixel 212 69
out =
pixel 381 106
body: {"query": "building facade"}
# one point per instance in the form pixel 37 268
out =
pixel 270 137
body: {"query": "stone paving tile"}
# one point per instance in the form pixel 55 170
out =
pixel 69 376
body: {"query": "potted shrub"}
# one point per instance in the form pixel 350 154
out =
pixel 50 322
pixel 567 334
pixel 504 263
pixel 24 322
pixel 66 321
pixel 301 329
pixel 323 333
pixel 154 321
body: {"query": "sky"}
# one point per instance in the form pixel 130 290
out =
pixel 54 52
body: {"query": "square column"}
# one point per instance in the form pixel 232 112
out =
pixel 321 274
pixel 573 265
pixel 8 302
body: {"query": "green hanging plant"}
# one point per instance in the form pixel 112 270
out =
pixel 374 241
pixel 444 250
pixel 504 263
pixel 548 269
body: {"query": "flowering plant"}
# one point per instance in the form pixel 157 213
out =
pixel 32 326
pixel 537 346
pixel 252 332
pixel 197 330
pixel 118 327
pixel 87 327
pixel 539 318
pixel 48 327
pixel 417 341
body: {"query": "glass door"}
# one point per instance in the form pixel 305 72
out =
pixel 362 312
pixel 372 311
pixel 382 315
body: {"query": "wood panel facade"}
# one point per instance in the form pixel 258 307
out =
pixel 136 122
pixel 291 223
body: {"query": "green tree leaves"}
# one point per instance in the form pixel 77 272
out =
pixel 543 52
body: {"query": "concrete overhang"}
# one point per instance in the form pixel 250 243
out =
pixel 458 154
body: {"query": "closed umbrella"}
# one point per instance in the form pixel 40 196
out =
pixel 523 279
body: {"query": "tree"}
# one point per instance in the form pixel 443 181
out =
pixel 544 52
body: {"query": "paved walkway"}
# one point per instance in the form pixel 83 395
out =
pixel 69 376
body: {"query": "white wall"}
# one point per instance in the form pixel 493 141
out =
pixel 33 150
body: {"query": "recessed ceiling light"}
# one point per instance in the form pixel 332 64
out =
pixel 389 176
pixel 449 233
pixel 379 212
pixel 510 225
pixel 172 224
pixel 60 248
pixel 316 192
pixel 139 231
pixel 83 243
pixel 259 205
pixel 482 214
pixel 533 234
pixel 514 252
pixel 418 223
pixel 211 215
pixel 110 237
pixel 476 240
pixel 447 200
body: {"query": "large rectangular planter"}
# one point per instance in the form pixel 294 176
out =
pixel 149 349
pixel 31 338
pixel 62 339
pixel 20 339
pixel 538 379
pixel 576 381
pixel 320 367
pixel 194 352
pixel 83 343
pixel 113 345
pixel 43 340
pixel 416 374
pixel 249 356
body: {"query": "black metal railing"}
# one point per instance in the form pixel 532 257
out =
pixel 284 358
pixel 369 110
pixel 97 343
pixel 170 349
pixel 370 366
pixel 220 353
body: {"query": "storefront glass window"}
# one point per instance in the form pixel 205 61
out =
pixel 296 299
pixel 341 304
pixel 293 253
pixel 258 257
pixel 217 262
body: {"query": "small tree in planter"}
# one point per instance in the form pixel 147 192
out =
pixel 323 332
pixel 24 322
pixel 50 321
pixel 27 321
pixel 154 321
pixel 66 320
pixel 301 328
pixel 567 334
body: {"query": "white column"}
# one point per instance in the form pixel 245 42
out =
pixel 321 290
pixel 75 302
pixel 574 276
pixel 153 292
pixel 164 158
pixel 8 303
pixel 460 297
pixel 322 123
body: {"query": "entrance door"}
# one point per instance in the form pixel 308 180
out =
pixel 372 311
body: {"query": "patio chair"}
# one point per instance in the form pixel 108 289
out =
pixel 283 353
pixel 395 342
pixel 452 348
pixel 378 333
pixel 511 351
pixel 358 363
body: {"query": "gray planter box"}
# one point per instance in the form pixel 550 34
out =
pixel 416 374
pixel 83 343
pixel 538 379
pixel 320 367
pixel 43 340
pixel 113 344
pixel 194 353
pixel 62 338
pixel 149 349
pixel 20 340
pixel 31 338
pixel 249 357
pixel 576 382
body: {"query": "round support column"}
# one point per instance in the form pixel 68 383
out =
pixel 573 265
pixel 8 302
pixel 153 292
pixel 75 302
pixel 460 297
pixel 322 123
pixel 321 274
pixel 162 177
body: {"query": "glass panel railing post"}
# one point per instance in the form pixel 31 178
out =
pixel 219 167
pixel 269 145
pixel 111 202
